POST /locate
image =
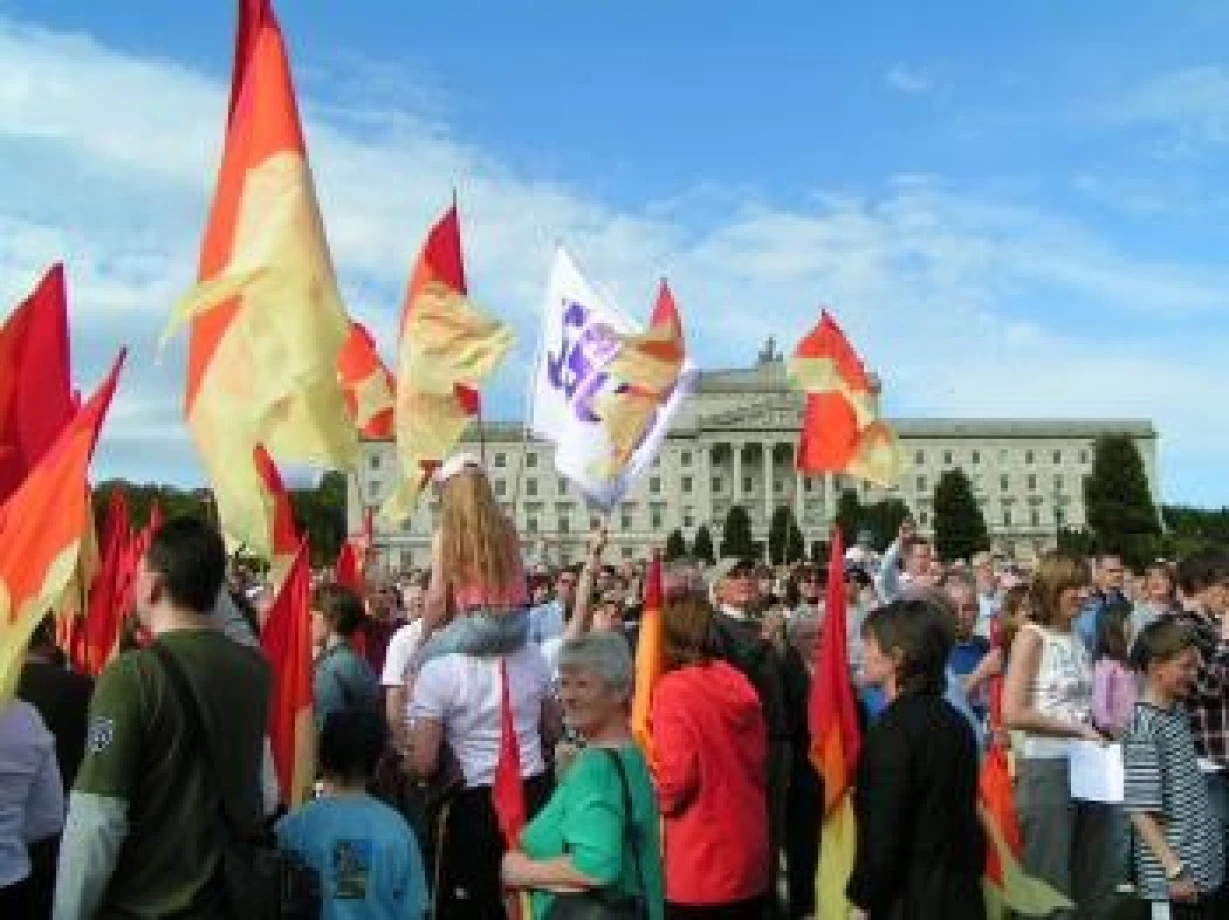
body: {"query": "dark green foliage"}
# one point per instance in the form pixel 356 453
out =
pixel 778 534
pixel 883 520
pixel 702 546
pixel 736 537
pixel 960 529
pixel 795 547
pixel 849 516
pixel 676 546
pixel 1121 514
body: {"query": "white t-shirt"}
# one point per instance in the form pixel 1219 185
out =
pixel 397 657
pixel 31 795
pixel 462 692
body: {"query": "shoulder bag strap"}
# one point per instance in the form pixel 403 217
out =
pixel 630 830
pixel 190 707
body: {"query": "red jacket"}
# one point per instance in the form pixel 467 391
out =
pixel 711 745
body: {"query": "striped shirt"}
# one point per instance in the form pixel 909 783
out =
pixel 1163 779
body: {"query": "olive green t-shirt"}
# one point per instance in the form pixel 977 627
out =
pixel 139 750
pixel 585 819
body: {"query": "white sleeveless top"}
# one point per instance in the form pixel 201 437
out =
pixel 1062 688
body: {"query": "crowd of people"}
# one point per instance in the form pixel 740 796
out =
pixel 112 794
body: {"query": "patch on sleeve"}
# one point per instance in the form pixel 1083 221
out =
pixel 100 734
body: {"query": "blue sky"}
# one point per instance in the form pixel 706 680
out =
pixel 1015 209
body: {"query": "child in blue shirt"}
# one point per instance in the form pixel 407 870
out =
pixel 368 859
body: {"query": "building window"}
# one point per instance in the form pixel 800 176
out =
pixel 1004 483
pixel 1028 458
pixel 373 490
pixel 716 483
pixel 501 460
pixel 921 483
pixel 947 458
pixel 501 488
pixel 655 485
pixel 1006 518
pixel 594 522
pixel 628 552
pixel 1003 455
pixel 565 525
pixel 778 486
pixel 686 484
pixel 1058 483
pixel 625 521
pixel 374 462
pixel 1032 483
pixel 807 485
pixel 563 486
pixel 689 518
pixel 1058 457
pixel 977 482
pixel 531 460
pixel 655 519
pixel 919 458
pixel 747 486
pixel 1060 517
pixel 976 457
pixel 531 524
pixel 1083 456
pixel 531 486
pixel 685 458
pixel 923 518
pixel 1035 517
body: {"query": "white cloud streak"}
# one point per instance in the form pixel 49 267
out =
pixel 967 304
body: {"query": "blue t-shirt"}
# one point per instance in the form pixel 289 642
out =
pixel 367 857
pixel 966 656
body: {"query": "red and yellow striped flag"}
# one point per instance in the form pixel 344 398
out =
pixel 447 348
pixel 835 742
pixel 649 658
pixel 841 428
pixel 42 528
pixel 287 643
pixel 267 321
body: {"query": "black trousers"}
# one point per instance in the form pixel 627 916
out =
pixel 469 850
pixel 750 909
pixel 15 901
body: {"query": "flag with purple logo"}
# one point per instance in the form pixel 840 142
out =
pixel 604 390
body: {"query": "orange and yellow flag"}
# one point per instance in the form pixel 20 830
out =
pixel 283 535
pixel 267 321
pixel 287 643
pixel 835 742
pixel 649 658
pixel 42 528
pixel 368 384
pixel 108 592
pixel 447 348
pixel 841 428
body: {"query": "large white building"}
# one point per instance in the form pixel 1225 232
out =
pixel 733 443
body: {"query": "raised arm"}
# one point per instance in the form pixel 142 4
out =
pixel 582 612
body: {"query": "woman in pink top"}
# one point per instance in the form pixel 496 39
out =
pixel 1114 686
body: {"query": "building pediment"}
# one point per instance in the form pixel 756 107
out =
pixel 782 412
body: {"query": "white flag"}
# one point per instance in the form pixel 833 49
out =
pixel 582 334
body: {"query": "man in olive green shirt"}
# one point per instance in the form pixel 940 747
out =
pixel 143 836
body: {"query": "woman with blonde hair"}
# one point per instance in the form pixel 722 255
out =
pixel 1047 697
pixel 473 652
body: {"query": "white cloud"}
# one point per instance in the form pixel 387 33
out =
pixel 906 79
pixel 1188 109
pixel 967 304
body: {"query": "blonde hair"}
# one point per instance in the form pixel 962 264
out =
pixel 479 545
pixel 1056 573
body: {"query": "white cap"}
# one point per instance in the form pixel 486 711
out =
pixel 456 464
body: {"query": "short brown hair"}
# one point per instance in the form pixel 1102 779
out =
pixel 687 631
pixel 1161 641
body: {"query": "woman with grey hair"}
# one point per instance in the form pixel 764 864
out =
pixel 597 839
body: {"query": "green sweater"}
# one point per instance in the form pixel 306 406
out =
pixel 584 818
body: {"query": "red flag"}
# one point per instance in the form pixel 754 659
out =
pixel 253 14
pixel 368 385
pixel 835 741
pixel 110 590
pixel 508 791
pixel 649 658
pixel 284 538
pixel 287 642
pixel 36 394
pixel 42 528
pixel 347 572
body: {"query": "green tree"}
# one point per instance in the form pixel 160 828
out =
pixel 883 520
pixel 676 546
pixel 795 547
pixel 819 553
pixel 778 534
pixel 1075 542
pixel 1121 514
pixel 849 516
pixel 960 529
pixel 320 514
pixel 736 537
pixel 702 546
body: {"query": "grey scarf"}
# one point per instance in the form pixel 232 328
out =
pixel 482 632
